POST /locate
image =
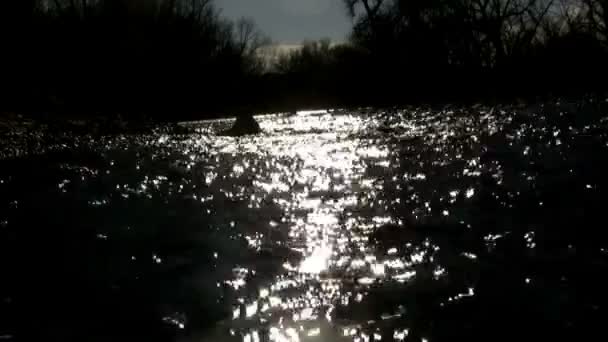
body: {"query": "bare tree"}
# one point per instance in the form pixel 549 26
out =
pixel 371 7
pixel 505 25
pixel 195 10
pixel 199 8
pixel 246 34
pixel 365 11
pixel 249 39
pixel 596 12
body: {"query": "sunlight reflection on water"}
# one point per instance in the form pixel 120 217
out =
pixel 326 173
pixel 333 225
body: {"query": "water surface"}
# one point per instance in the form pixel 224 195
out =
pixel 417 225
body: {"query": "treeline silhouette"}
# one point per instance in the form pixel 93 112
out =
pixel 163 56
pixel 180 58
pixel 459 50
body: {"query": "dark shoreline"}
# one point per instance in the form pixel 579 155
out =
pixel 126 122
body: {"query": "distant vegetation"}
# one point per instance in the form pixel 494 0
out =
pixel 460 50
pixel 164 56
pixel 180 58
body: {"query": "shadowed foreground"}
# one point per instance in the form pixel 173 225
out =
pixel 416 224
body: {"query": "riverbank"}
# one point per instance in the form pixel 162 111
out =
pixel 23 134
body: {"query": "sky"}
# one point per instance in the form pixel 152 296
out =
pixel 292 21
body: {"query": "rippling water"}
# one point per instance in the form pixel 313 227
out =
pixel 417 225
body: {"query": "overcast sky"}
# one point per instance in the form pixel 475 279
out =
pixel 292 21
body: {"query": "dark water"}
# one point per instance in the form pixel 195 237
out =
pixel 475 224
